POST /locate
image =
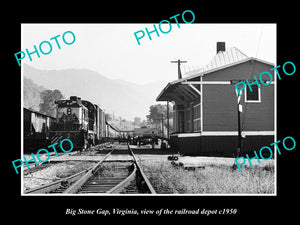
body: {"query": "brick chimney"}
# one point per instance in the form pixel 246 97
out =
pixel 220 46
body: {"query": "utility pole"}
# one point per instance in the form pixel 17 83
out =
pixel 162 125
pixel 178 63
pixel 239 150
pixel 239 110
pixel 168 129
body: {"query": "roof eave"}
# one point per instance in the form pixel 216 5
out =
pixel 209 71
pixel 162 92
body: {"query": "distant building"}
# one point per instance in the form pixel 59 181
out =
pixel 205 106
pixel 145 131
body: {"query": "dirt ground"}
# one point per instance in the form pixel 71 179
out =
pixel 68 164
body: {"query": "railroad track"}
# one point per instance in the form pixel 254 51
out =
pixel 57 186
pixel 125 178
pixel 128 178
pixel 53 155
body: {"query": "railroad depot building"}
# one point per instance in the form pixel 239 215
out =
pixel 205 109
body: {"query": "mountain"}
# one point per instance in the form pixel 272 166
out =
pixel 31 97
pixel 120 97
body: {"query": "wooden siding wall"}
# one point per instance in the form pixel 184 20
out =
pixel 220 101
pixel 220 109
pixel 260 116
pixel 223 146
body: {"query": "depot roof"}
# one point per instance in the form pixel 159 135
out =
pixel 221 60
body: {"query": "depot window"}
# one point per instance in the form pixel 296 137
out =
pixel 254 95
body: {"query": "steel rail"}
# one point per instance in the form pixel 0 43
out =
pixel 77 185
pixel 78 180
pixel 56 184
pixel 123 184
pixel 149 185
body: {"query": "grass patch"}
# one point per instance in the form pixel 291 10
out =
pixel 214 179
pixel 114 169
pixel 73 167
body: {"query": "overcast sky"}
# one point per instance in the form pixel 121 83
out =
pixel 112 50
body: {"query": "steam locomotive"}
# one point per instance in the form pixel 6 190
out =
pixel 80 121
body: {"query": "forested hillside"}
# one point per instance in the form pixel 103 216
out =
pixel 31 94
pixel 39 99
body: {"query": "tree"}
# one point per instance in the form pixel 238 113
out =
pixel 47 105
pixel 108 117
pixel 137 121
pixel 156 112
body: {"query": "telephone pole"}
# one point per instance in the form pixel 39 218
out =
pixel 239 110
pixel 168 129
pixel 162 125
pixel 239 150
pixel 178 63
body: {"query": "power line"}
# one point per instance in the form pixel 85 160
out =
pixel 252 75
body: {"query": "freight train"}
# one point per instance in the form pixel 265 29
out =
pixel 36 128
pixel 78 120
